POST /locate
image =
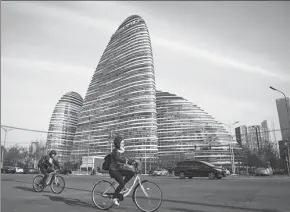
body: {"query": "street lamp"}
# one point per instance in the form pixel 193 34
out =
pixel 287 106
pixel 88 145
pixel 6 130
pixel 231 147
pixel 229 126
pixel 288 116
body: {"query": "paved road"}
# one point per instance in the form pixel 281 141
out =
pixel 231 194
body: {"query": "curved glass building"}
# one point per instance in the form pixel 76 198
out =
pixel 63 124
pixel 121 98
pixel 184 129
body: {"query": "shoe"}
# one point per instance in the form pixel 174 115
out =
pixel 116 202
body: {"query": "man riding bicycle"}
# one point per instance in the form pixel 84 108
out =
pixel 46 165
pixel 117 170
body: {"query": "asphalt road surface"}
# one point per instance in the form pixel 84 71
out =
pixel 231 194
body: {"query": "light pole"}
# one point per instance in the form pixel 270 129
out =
pixel 288 116
pixel 230 128
pixel 287 106
pixel 145 160
pixel 89 140
pixel 6 130
pixel 231 147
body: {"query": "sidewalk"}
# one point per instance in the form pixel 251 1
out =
pixel 252 176
pixel 88 173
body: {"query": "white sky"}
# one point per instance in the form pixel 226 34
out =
pixel 222 56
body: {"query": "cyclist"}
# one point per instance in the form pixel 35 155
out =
pixel 117 170
pixel 46 165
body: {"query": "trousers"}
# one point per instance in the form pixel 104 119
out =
pixel 118 176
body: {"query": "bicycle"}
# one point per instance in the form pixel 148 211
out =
pixel 54 180
pixel 142 186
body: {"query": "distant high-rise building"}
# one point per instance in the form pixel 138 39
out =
pixel 242 135
pixel 254 137
pixel 63 125
pixel 265 132
pixel 284 116
pixel 34 147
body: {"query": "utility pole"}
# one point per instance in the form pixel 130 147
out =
pixel 89 139
pixel 288 156
pixel 288 116
pixel 3 152
pixel 232 156
pixel 145 161
pixel 288 159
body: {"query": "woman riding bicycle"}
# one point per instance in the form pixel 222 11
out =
pixel 117 170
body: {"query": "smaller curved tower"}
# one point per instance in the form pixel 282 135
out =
pixel 63 125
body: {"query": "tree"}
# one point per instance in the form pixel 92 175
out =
pixel 27 157
pixel 270 155
pixel 18 156
pixel 12 156
pixel 261 158
pixel 3 152
pixel 3 149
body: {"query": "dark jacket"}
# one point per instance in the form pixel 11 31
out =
pixel 116 159
pixel 44 163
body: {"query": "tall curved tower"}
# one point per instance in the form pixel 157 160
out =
pixel 63 124
pixel 121 97
pixel 184 127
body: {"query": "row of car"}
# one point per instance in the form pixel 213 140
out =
pixel 190 169
pixel 17 170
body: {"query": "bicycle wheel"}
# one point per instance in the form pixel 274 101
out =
pixel 102 194
pixel 57 184
pixel 147 196
pixel 37 185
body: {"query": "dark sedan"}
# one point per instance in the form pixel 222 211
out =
pixel 8 169
pixel 65 171
pixel 198 169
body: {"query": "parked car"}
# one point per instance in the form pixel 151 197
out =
pixel 160 172
pixel 65 171
pixel 31 171
pixel 263 172
pixel 278 171
pixel 198 169
pixel 8 169
pixel 18 170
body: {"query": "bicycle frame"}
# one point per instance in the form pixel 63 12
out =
pixel 137 178
pixel 53 178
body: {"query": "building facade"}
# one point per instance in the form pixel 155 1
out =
pixel 121 98
pixel 254 137
pixel 283 107
pixel 186 131
pixel 242 135
pixel 63 125
pixel 265 132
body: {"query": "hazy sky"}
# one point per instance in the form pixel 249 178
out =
pixel 222 56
